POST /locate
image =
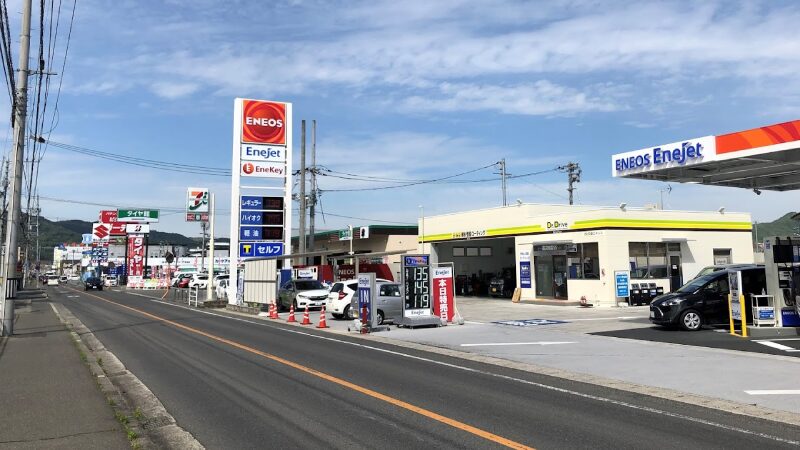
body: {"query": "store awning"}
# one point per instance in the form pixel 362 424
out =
pixel 766 158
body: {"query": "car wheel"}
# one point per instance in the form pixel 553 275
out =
pixel 379 317
pixel 336 316
pixel 347 313
pixel 691 320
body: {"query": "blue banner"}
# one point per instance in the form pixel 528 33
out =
pixel 525 274
pixel 622 283
pixel 260 249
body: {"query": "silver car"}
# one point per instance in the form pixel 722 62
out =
pixel 389 302
pixel 302 293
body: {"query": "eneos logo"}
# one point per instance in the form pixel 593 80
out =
pixel 248 168
pixel 263 122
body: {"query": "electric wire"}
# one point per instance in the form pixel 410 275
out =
pixel 411 184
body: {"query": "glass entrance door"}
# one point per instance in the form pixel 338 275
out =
pixel 544 275
pixel 675 274
pixel 560 277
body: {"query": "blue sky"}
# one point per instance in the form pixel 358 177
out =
pixel 418 90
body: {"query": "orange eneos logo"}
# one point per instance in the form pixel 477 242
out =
pixel 263 122
pixel 248 168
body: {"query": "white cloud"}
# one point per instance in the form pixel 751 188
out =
pixel 173 91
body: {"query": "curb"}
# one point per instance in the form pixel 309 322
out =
pixel 136 407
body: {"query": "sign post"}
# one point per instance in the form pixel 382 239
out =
pixel 416 282
pixel 366 292
pixel 736 309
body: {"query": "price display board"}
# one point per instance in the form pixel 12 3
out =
pixel 417 286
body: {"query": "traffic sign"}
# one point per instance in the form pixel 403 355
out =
pixel 137 215
pixel 255 249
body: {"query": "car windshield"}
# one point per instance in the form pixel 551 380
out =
pixel 307 285
pixel 697 283
pixel 337 287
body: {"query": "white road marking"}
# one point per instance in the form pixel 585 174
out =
pixel 496 375
pixel 517 343
pixel 775 345
pixel 775 392
pixel 602 318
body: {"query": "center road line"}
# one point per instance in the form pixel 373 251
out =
pixel 517 343
pixel 486 373
pixel 366 391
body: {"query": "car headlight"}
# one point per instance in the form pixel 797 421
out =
pixel 672 302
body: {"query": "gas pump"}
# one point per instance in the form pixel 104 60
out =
pixel 782 267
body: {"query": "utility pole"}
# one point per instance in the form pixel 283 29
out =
pixel 301 236
pixel 210 285
pixel 312 211
pixel 20 116
pixel 573 171
pixel 503 177
pixel 203 227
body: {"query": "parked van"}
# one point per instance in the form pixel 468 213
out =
pixel 704 300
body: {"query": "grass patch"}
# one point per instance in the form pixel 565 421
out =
pixel 131 434
pixel 121 418
pixel 138 414
pixel 111 401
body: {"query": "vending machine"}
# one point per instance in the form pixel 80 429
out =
pixel 782 267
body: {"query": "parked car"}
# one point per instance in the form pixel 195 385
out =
pixel 199 281
pixel 184 282
pixel 63 279
pixel 717 267
pixel 52 280
pixel 302 293
pixel 219 277
pixel 340 297
pixel 176 280
pixel 93 283
pixel 109 280
pixel 74 277
pixel 222 289
pixel 388 302
pixel 704 300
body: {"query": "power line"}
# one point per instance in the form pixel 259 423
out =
pixel 410 184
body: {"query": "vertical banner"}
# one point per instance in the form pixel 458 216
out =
pixel 525 269
pixel 366 289
pixel 443 305
pixel 622 283
pixel 135 257
pixel 735 286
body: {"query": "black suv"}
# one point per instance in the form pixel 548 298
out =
pixel 93 283
pixel 704 300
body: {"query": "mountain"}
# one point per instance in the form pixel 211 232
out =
pixel 65 231
pixel 783 226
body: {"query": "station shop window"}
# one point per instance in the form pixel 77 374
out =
pixel 648 259
pixel 583 262
pixel 486 251
pixel 458 251
pixel 472 251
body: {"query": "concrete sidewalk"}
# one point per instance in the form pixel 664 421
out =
pixel 49 397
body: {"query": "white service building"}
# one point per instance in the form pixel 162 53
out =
pixel 561 253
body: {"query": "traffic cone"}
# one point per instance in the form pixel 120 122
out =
pixel 322 322
pixel 306 318
pixel 273 311
pixel 291 318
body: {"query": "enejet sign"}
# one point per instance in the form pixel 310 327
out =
pixel 683 153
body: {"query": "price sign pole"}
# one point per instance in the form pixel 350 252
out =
pixel 416 282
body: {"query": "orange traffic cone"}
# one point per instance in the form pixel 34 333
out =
pixel 273 311
pixel 306 318
pixel 291 318
pixel 322 322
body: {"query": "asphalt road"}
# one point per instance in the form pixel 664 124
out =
pixel 709 337
pixel 240 383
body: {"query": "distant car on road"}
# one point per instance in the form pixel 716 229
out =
pixel 63 279
pixel 302 293
pixel 93 283
pixel 52 280
pixel 109 280
pixel 704 300
pixel 74 277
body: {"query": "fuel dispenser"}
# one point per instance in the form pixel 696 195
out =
pixel 782 268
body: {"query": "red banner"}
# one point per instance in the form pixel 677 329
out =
pixel 442 287
pixel 136 255
pixel 108 216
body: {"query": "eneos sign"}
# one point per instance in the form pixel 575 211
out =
pixel 677 154
pixel 263 122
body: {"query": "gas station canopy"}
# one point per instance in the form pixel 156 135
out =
pixel 766 158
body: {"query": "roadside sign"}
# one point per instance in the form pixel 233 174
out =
pixel 100 231
pixel 735 286
pixel 254 152
pixel 251 233
pixel 137 215
pixel 197 204
pixel 260 249
pixel 345 235
pixel 134 228
pixel 261 218
pixel 417 286
pixel 108 216
pixel 366 291
pixel 443 293
pixel 260 203
pixel 622 283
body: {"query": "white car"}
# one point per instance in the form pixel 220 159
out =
pixel 199 281
pixel 74 277
pixel 222 289
pixel 109 280
pixel 218 278
pixel 302 293
pixel 340 297
pixel 52 280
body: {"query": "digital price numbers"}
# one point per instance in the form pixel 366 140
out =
pixel 417 287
